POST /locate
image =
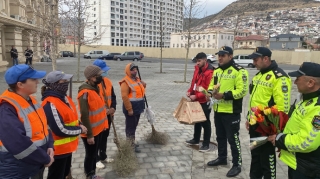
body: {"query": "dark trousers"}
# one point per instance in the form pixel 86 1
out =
pixel 227 129
pixel 131 126
pixel 102 151
pixel 91 155
pixel 295 174
pixel 29 61
pixel 60 168
pixel 263 162
pixel 39 175
pixel 206 127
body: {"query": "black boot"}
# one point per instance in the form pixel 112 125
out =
pixel 234 171
pixel 217 162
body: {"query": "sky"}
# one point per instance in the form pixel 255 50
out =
pixel 214 6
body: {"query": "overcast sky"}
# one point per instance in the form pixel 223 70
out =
pixel 214 6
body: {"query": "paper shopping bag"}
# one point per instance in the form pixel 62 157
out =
pixel 195 112
pixel 183 116
pixel 176 111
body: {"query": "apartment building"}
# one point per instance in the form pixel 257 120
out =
pixel 206 39
pixel 19 26
pixel 134 22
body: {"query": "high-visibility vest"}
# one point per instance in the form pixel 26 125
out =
pixel 137 90
pixel 33 119
pixel 97 111
pixel 107 89
pixel 64 145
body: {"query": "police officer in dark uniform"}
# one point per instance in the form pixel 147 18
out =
pixel 233 80
pixel 270 86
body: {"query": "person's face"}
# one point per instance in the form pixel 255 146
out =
pixel 201 62
pixel 63 81
pixel 134 72
pixel 224 58
pixel 304 84
pixel 260 62
pixel 13 47
pixel 94 78
pixel 29 87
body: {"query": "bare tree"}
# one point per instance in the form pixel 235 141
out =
pixel 192 9
pixel 77 14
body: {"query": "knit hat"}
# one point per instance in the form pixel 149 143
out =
pixel 91 71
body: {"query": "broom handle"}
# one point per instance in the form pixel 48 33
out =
pixel 106 104
pixel 145 98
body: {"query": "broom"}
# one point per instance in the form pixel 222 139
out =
pixel 125 161
pixel 154 137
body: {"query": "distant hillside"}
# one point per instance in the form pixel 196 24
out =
pixel 242 7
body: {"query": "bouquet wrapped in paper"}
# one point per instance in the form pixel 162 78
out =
pixel 269 120
pixel 257 142
pixel 205 92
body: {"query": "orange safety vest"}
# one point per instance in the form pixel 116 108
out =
pixel 64 145
pixel 97 111
pixel 137 90
pixel 33 119
pixel 107 89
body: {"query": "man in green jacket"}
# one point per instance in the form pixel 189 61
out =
pixel 270 86
pixel 233 80
pixel 300 140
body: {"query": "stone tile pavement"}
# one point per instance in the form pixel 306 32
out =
pixel 175 160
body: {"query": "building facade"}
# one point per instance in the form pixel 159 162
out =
pixel 134 22
pixel 20 22
pixel 286 41
pixel 251 41
pixel 204 39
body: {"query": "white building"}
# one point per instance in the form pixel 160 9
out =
pixel 205 39
pixel 134 22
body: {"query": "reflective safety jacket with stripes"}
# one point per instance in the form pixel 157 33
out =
pixel 16 157
pixel 69 116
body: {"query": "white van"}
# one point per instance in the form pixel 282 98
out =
pixel 96 54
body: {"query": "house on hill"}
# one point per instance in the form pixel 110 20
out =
pixel 251 41
pixel 286 41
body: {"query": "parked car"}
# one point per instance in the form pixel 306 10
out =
pixel 110 56
pixel 244 60
pixel 66 54
pixel 96 54
pixel 210 58
pixel 130 55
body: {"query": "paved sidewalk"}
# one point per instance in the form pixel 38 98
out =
pixel 175 160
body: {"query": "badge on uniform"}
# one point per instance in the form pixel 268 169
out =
pixel 309 102
pixel 268 77
pixel 285 89
pixel 316 122
pixel 229 71
pixel 244 78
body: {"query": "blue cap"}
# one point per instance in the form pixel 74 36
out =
pixel 307 69
pixel 22 72
pixel 101 64
pixel 225 50
pixel 260 52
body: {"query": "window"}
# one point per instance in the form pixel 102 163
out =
pixel 177 45
pixel 181 37
pixel 94 9
pixel 228 37
pixel 250 43
pixel 204 37
pixel 94 2
pixel 94 15
pixel 112 3
pixel 99 52
pixel 241 43
pixel 95 33
pixel 181 45
pixel 221 36
pixel 208 37
pixel 94 27
pixel 236 57
pixel 231 37
pixel 130 53
pixel 199 45
pixel 94 21
pixel 173 45
pixel 199 37
pixel 242 58
pixel 113 22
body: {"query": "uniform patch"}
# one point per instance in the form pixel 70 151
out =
pixel 268 77
pixel 316 122
pixel 244 78
pixel 229 71
pixel 279 74
pixel 284 88
pixel 309 102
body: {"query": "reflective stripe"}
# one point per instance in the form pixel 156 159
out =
pixel 98 123
pixel 26 152
pixel 71 123
pixel 65 140
pixel 3 149
pixel 93 113
pixel 41 142
pixel 134 92
pixel 136 99
pixel 24 114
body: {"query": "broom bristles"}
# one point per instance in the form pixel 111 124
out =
pixel 125 160
pixel 156 137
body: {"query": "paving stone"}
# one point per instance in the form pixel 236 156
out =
pixel 154 171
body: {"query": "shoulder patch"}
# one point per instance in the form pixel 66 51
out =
pixel 237 67
pixel 316 122
pixel 285 88
pixel 278 73
pixel 309 102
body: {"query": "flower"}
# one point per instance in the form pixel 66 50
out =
pixel 260 118
pixel 253 120
pixel 267 111
pixel 274 110
pixel 260 107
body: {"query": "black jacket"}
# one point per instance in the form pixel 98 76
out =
pixel 14 53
